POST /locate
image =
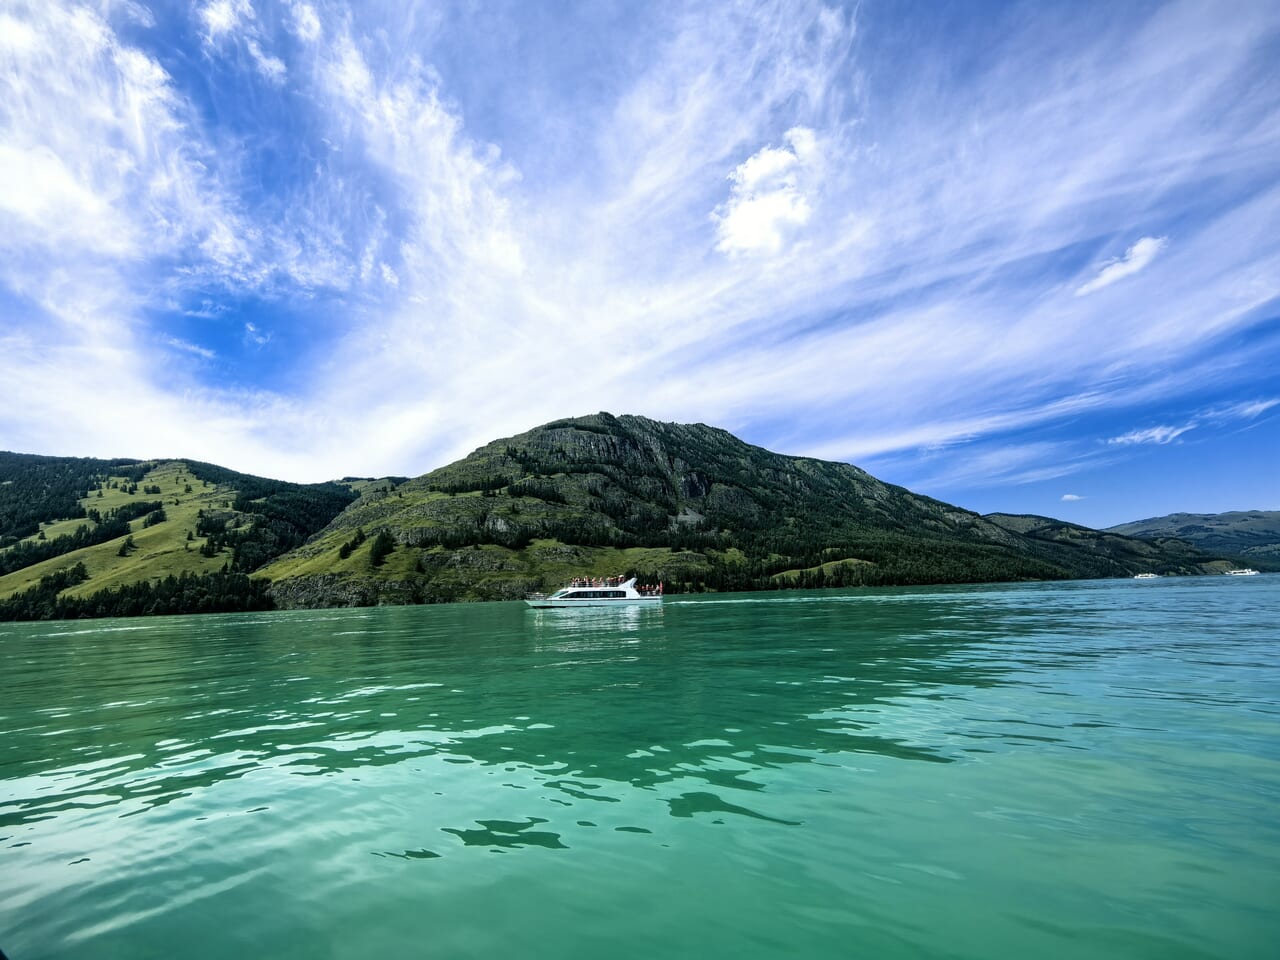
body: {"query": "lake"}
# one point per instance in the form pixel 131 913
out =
pixel 1086 769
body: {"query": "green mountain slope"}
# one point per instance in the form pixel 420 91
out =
pixel 689 505
pixel 35 490
pixel 1252 535
pixel 1103 550
pixel 125 526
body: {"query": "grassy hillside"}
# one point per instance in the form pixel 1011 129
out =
pixel 185 518
pixel 35 489
pixel 160 550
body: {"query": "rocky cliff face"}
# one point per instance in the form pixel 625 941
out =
pixel 689 504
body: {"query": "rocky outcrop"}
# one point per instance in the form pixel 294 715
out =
pixel 333 590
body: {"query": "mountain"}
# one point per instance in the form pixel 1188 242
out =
pixel 1252 535
pixel 106 536
pixel 1091 547
pixel 691 506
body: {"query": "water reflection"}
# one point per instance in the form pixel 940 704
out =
pixel 556 624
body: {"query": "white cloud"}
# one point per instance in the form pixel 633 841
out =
pixel 187 347
pixel 271 67
pixel 1136 258
pixel 224 16
pixel 352 76
pixel 1071 497
pixel 58 208
pixel 1217 415
pixel 225 245
pixel 451 189
pixel 1155 435
pixel 305 22
pixel 232 22
pixel 769 196
pixel 16 37
pixel 1246 410
pixel 99 171
pixel 974 464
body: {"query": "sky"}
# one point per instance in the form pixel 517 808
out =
pixel 1017 256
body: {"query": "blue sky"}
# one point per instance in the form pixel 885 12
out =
pixel 1019 257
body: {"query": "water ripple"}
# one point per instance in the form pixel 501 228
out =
pixel 833 766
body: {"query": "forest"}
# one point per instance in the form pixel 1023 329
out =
pixel 222 592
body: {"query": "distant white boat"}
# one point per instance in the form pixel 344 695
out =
pixel 1146 576
pixel 610 592
pixel 1243 572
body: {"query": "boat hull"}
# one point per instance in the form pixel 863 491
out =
pixel 595 602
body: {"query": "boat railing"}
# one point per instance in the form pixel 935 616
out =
pixel 648 590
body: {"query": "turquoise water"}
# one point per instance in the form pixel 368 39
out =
pixel 1048 770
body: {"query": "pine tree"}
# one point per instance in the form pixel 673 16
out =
pixel 383 544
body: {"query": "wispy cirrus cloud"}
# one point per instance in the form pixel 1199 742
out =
pixel 1215 415
pixel 1157 435
pixel 99 169
pixel 234 21
pixel 305 23
pixel 221 17
pixel 1072 498
pixel 779 218
pixel 1007 464
pixel 1136 258
pixel 1244 410
pixel 183 345
pixel 271 67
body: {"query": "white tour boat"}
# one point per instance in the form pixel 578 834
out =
pixel 1146 576
pixel 1246 572
pixel 607 592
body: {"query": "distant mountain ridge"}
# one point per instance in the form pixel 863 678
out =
pixel 1249 534
pixel 686 504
